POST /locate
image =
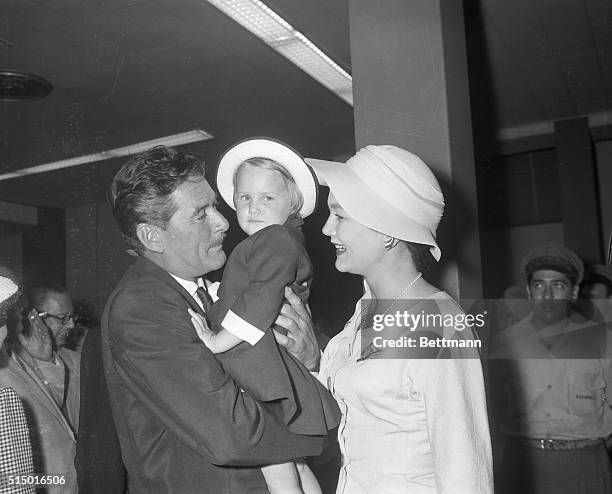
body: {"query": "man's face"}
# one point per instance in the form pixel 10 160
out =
pixel 193 239
pixel 58 305
pixel 595 291
pixel 551 294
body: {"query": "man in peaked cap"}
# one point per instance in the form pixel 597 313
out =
pixel 553 376
pixel 553 274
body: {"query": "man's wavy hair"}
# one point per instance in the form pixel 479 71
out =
pixel 141 189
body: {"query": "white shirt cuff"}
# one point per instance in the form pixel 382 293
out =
pixel 241 329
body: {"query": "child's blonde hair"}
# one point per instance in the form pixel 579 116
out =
pixel 295 194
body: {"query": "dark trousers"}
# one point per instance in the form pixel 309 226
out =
pixel 528 470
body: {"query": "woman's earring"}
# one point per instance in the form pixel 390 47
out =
pixel 390 243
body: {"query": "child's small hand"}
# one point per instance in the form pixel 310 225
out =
pixel 201 326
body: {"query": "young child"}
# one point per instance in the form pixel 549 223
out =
pixel 271 188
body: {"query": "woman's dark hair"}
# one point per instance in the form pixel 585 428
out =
pixel 421 256
pixel 141 189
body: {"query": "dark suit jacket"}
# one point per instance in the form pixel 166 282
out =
pixel 98 460
pixel 183 423
pixel 257 272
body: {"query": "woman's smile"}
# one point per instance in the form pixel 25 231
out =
pixel 340 249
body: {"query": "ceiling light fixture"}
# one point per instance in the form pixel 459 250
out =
pixel 21 86
pixel 189 137
pixel 277 33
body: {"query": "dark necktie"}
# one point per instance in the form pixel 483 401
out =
pixel 205 298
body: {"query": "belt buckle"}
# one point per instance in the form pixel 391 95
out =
pixel 547 444
pixel 554 444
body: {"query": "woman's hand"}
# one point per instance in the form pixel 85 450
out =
pixel 39 344
pixel 300 339
pixel 201 327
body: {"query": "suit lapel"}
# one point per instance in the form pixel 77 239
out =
pixel 38 390
pixel 143 265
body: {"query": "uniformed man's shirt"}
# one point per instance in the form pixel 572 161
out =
pixel 551 396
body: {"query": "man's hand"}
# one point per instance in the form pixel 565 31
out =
pixel 39 344
pixel 300 339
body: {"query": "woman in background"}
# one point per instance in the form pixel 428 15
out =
pixel 15 447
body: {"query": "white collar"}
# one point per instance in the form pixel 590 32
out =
pixel 190 286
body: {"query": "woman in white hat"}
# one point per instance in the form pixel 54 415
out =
pixel 414 420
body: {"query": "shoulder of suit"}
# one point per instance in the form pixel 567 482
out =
pixel 276 237
pixel 141 283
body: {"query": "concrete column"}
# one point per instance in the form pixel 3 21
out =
pixel 603 159
pixel 410 87
pixel 579 197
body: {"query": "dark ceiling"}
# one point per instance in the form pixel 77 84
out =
pixel 532 62
pixel 126 71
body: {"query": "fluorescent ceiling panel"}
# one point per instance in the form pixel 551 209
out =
pixel 276 32
pixel 195 135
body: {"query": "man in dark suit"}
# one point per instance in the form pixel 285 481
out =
pixel 183 424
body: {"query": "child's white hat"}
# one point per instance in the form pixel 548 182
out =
pixel 264 147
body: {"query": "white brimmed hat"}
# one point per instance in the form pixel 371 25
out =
pixel 262 147
pixel 387 189
pixel 9 292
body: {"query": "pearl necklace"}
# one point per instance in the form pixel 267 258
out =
pixel 402 293
pixel 370 351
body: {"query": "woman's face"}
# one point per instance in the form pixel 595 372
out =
pixel 358 248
